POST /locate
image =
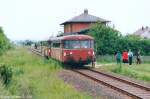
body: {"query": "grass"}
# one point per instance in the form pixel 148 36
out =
pixel 105 59
pixel 140 72
pixel 111 59
pixel 35 77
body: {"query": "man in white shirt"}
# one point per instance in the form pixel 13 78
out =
pixel 130 54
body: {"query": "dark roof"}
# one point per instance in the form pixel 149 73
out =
pixel 83 31
pixel 85 17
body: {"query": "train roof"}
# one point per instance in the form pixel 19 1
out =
pixel 72 37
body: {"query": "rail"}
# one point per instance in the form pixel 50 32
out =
pixel 129 88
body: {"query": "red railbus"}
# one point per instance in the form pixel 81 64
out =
pixel 72 49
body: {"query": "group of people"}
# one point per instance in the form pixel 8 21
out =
pixel 127 57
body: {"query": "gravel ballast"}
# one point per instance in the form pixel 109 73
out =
pixel 94 89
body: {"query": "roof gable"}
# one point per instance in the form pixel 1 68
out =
pixel 85 17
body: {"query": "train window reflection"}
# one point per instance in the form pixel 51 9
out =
pixel 73 44
pixel 85 44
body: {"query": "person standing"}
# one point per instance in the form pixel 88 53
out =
pixel 118 57
pixel 46 53
pixel 125 57
pixel 138 57
pixel 130 54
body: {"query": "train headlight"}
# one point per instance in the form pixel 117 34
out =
pixel 70 53
pixel 89 52
pixel 93 53
pixel 64 53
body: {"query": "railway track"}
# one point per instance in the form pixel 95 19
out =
pixel 132 89
pixel 36 51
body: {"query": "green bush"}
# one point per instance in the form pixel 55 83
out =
pixel 105 38
pixel 6 74
pixel 4 42
pixel 109 41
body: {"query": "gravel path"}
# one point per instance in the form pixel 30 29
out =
pixel 97 91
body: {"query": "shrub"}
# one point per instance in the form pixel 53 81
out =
pixel 4 42
pixel 109 41
pixel 6 74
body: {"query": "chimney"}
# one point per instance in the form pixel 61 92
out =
pixel 142 28
pixel 85 11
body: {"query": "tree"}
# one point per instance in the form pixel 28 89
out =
pixel 136 43
pixel 105 38
pixel 4 42
pixel 109 41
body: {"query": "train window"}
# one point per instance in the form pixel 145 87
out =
pixel 85 44
pixel 92 44
pixel 56 45
pixel 74 44
pixel 71 44
pixel 66 44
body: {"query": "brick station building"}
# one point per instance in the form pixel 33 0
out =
pixel 80 24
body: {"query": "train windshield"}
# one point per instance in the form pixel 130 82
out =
pixel 74 44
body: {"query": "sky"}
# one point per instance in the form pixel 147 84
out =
pixel 40 19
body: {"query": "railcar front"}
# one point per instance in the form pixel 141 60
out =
pixel 78 49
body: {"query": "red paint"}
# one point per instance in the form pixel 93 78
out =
pixel 75 27
pixel 75 55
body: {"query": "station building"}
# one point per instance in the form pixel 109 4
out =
pixel 81 24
